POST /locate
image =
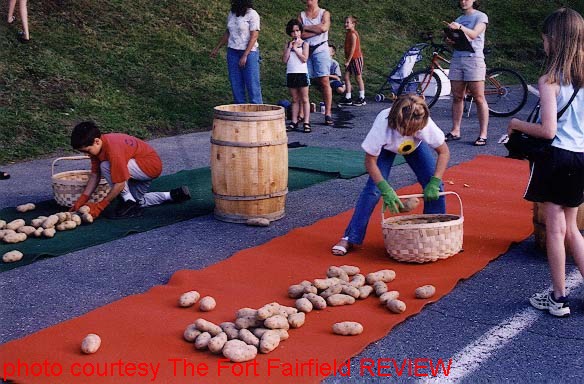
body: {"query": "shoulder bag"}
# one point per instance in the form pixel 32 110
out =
pixel 523 146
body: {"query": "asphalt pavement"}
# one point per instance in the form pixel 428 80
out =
pixel 485 325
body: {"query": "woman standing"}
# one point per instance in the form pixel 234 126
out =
pixel 557 177
pixel 243 56
pixel 468 70
pixel 23 36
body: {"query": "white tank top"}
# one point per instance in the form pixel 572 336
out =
pixel 294 64
pixel 321 38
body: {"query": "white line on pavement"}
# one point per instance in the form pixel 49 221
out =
pixel 470 358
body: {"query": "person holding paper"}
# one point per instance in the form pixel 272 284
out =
pixel 468 69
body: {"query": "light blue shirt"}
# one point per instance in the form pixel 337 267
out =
pixel 570 133
pixel 470 21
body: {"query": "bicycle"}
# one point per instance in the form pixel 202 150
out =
pixel 505 89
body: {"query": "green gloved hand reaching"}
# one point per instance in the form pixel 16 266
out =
pixel 390 199
pixel 432 190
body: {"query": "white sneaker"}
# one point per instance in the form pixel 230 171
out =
pixel 543 301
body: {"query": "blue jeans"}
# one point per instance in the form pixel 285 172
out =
pixel 422 163
pixel 244 78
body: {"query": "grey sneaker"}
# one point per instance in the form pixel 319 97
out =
pixel 359 102
pixel 346 103
pixel 547 302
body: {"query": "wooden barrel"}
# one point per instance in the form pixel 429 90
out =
pixel 539 223
pixel 249 162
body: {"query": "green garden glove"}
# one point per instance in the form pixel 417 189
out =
pixel 432 189
pixel 390 199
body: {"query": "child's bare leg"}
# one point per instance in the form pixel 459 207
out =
pixel 24 18
pixel 555 232
pixel 574 238
pixel 305 104
pixel 360 83
pixel 347 78
pixel 11 7
pixel 294 92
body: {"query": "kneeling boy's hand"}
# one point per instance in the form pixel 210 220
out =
pixel 83 199
pixel 95 209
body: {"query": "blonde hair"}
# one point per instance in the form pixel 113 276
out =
pixel 408 115
pixel 565 60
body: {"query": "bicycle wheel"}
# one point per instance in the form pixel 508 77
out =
pixel 424 83
pixel 505 91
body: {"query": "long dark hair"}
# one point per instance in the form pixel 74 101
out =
pixel 240 7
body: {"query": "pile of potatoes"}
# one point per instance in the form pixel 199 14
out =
pixel 18 230
pixel 253 330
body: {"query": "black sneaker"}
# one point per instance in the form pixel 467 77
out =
pixel 178 195
pixel 127 209
pixel 359 102
pixel 346 103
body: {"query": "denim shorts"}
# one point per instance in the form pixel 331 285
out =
pixel 319 64
pixel 337 84
pixel 467 69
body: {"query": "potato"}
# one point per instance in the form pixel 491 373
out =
pixel 259 332
pixel 216 343
pixel 297 320
pixel 15 224
pixel 391 295
pixel 25 207
pixel 230 330
pixel 316 301
pixel 287 310
pixel 12 256
pixel 269 341
pixel 49 232
pixel 238 351
pixel 12 238
pixel 2 224
pixel 207 326
pixel 188 299
pixel 365 291
pixel 268 310
pixel 90 343
pixel 409 204
pixel 191 333
pixel 50 221
pixel 396 306
pixel 425 291
pixel 4 232
pixel 249 338
pixel 334 271
pixel 62 216
pixel 26 229
pixel 295 291
pixel 385 275
pixel 38 221
pixel 202 341
pixel 76 218
pixel 248 322
pixel 207 304
pixel 66 225
pixel 276 322
pixel 304 305
pixel 380 288
pixel 340 299
pixel 87 218
pixel 351 291
pixel 347 328
pixel 84 209
pixel 351 270
pixel 337 288
pixel 357 281
pixel 38 232
pixel 245 312
pixel 323 284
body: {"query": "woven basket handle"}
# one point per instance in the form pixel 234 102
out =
pixel 66 158
pixel 422 195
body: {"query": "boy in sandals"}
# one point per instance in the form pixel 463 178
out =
pixel 406 129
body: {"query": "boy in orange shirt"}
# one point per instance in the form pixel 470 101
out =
pixel 128 164
pixel 353 63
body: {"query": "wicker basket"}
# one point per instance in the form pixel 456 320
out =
pixel 423 238
pixel 68 186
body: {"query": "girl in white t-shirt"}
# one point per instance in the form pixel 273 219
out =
pixel 295 56
pixel 408 130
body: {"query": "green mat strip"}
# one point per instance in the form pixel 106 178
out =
pixel 308 166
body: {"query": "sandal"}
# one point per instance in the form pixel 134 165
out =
pixel 4 175
pixel 328 120
pixel 291 127
pixel 450 137
pixel 307 128
pixel 11 20
pixel 341 248
pixel 480 142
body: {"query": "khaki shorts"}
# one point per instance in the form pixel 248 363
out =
pixel 467 69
